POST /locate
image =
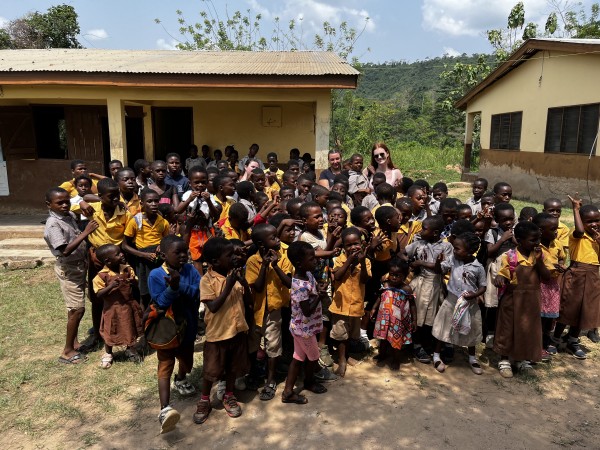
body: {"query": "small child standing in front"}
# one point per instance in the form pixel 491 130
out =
pixel 351 271
pixel 68 245
pixel 121 322
pixel 467 283
pixel 225 293
pixel 554 258
pixel 580 295
pixel 430 258
pixel 175 284
pixel 306 322
pixel 395 312
pixel 479 187
pixel 518 327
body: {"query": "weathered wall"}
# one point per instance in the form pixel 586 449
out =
pixel 538 176
pixel 29 180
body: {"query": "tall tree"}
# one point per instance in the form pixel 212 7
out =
pixel 58 27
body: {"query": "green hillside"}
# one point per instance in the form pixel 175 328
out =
pixel 382 81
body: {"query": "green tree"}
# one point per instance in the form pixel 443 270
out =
pixel 581 25
pixel 58 27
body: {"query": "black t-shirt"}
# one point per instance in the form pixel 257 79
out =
pixel 328 175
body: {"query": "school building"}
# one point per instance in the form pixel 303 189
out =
pixel 539 114
pixel 97 105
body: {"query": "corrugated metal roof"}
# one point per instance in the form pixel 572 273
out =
pixel 174 62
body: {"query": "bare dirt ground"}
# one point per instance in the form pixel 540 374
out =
pixel 373 407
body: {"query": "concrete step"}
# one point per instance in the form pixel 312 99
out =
pixel 13 259
pixel 24 243
pixel 26 231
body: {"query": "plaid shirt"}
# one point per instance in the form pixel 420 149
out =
pixel 60 231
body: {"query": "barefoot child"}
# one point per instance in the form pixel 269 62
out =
pixel 467 283
pixel 306 322
pixel 121 315
pixel 224 291
pixel 351 271
pixel 580 290
pixel 518 328
pixel 177 284
pixel 68 245
pixel 396 312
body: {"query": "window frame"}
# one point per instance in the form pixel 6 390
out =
pixel 562 147
pixel 502 122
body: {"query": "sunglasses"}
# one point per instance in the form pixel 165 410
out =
pixel 379 155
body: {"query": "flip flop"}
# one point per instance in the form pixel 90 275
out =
pixel 77 358
pixel 316 388
pixel 298 399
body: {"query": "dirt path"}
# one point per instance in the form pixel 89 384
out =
pixel 374 407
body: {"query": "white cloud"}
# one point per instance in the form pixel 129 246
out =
pixel 3 22
pixel 96 34
pixel 472 17
pixel 449 51
pixel 162 44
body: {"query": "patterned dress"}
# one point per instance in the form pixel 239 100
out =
pixel 394 320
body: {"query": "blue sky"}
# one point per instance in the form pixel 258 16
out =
pixel 397 29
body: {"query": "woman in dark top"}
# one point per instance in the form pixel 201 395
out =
pixel 335 168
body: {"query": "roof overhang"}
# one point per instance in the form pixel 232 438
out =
pixel 525 52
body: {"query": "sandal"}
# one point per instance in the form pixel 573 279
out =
pixel 106 361
pixel 476 368
pixel 268 392
pixel 298 399
pixel 316 388
pixel 77 358
pixel 505 369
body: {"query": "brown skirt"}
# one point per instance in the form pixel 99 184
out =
pixel 121 322
pixel 518 326
pixel 580 296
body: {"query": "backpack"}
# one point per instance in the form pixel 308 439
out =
pixel 162 328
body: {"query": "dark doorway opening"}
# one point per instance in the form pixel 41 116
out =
pixel 173 130
pixel 134 133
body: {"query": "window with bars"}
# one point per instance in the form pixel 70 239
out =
pixel 572 129
pixel 506 131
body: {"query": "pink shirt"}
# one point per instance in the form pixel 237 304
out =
pixel 303 291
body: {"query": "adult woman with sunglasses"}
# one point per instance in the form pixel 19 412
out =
pixel 381 161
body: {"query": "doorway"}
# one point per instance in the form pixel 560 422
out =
pixel 173 131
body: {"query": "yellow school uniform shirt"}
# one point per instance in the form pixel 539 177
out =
pixel 349 295
pixel 98 283
pixel 69 186
pixel 388 245
pixel 225 205
pixel 231 233
pixel 562 234
pixel 377 207
pixel 274 294
pixel 347 209
pixel 111 231
pixel 554 253
pixel 522 260
pixel 229 320
pixel 146 234
pixel 278 175
pixel 583 249
pixel 134 206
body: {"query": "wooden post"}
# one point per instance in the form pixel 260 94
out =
pixel 116 129
pixel 470 119
pixel 148 134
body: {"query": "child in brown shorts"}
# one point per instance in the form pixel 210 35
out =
pixel 176 283
pixel 225 292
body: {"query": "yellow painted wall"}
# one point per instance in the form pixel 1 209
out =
pixel 565 80
pixel 240 123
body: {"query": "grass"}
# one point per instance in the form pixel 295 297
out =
pixel 38 395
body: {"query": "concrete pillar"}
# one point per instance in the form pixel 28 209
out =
pixel 322 128
pixel 470 120
pixel 116 129
pixel 197 120
pixel 148 134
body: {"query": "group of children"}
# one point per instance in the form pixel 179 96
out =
pixel 278 270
